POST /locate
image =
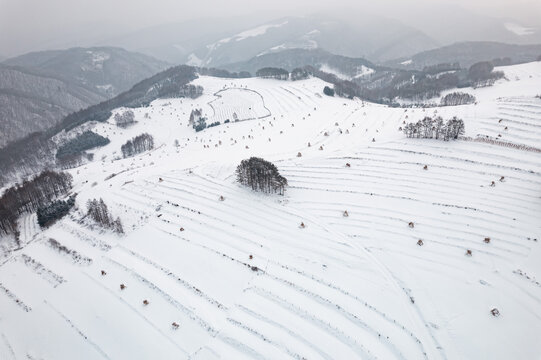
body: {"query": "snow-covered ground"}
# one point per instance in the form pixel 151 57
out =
pixel 244 281
pixel 360 72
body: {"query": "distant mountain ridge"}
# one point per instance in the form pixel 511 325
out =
pixel 469 53
pixel 213 43
pixel 38 89
pixel 109 70
pixel 344 66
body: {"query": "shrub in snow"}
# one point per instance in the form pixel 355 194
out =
pixel 328 91
pixel 261 175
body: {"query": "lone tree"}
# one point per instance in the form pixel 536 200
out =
pixel 261 175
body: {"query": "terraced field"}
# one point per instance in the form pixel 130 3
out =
pixel 406 247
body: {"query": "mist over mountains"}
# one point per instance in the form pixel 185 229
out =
pixel 38 89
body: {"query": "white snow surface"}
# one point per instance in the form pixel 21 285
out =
pixel 518 29
pixel 361 71
pixel 257 31
pixel 356 287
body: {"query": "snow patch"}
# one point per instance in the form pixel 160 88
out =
pixel 518 29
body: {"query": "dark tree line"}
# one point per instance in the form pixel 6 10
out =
pixel 273 73
pixel 98 211
pixel 261 175
pixel 30 195
pixel 435 128
pixel 137 145
pixel 85 141
pixel 457 98
pixel 56 210
pixel 220 73
pixel 299 74
pixel 440 68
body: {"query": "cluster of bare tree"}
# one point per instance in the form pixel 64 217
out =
pixel 457 98
pixel 30 195
pixel 125 119
pixel 137 145
pixel 98 211
pixel 435 128
pixel 261 175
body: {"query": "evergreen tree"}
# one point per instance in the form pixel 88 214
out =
pixel 261 175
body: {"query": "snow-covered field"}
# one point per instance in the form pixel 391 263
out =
pixel 244 281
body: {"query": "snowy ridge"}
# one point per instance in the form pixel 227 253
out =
pixel 244 281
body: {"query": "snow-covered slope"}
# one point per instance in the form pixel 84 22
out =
pixel 244 281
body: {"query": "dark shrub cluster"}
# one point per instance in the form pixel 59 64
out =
pixel 328 91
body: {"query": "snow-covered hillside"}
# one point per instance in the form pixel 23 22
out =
pixel 244 281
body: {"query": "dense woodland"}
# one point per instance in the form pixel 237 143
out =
pixel 84 141
pixel 47 214
pixel 31 195
pixel 261 175
pixel 435 128
pixel 137 145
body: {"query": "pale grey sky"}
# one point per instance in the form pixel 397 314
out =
pixel 27 25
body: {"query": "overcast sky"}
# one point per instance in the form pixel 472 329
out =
pixel 27 25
